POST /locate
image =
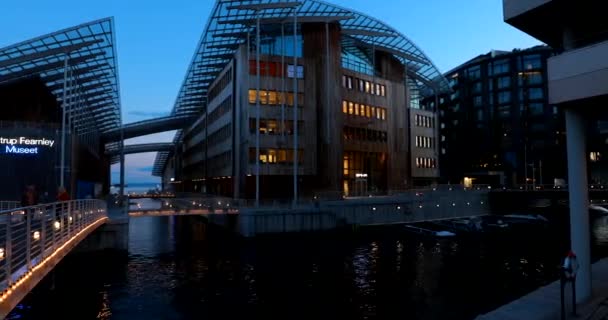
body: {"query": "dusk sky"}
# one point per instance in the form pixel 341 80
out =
pixel 156 41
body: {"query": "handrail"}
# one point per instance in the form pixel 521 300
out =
pixel 29 235
pixel 7 205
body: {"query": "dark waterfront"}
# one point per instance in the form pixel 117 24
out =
pixel 179 268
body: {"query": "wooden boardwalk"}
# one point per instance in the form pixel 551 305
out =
pixel 544 303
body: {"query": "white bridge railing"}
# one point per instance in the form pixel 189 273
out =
pixel 30 235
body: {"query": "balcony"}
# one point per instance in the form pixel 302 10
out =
pixel 579 74
pixel 546 20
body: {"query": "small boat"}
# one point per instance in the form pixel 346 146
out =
pixel 428 232
pixel 598 210
pixel 524 220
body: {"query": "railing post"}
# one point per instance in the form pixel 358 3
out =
pixel 43 232
pixel 68 213
pixel 53 229
pixel 28 238
pixel 8 250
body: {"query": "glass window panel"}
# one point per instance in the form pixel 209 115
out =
pixel 368 112
pixel 263 97
pixel 344 107
pixel 252 96
pixel 350 108
pixel 272 98
pixel 356 109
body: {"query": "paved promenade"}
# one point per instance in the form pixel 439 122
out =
pixel 544 303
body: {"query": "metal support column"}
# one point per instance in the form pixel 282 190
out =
pixel 63 115
pixel 257 111
pixel 122 163
pixel 283 95
pixel 295 107
pixel 579 200
pixel 328 108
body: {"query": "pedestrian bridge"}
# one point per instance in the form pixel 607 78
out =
pixel 142 128
pixel 141 148
pixel 33 240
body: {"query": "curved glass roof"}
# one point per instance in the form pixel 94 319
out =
pixel 232 21
pixel 93 91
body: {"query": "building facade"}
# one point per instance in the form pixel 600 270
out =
pixel 60 95
pixel 319 100
pixel 498 119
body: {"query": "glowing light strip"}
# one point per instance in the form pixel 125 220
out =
pixel 14 286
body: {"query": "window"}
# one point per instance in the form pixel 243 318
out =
pixel 476 88
pixel 344 107
pixel 536 109
pixel 349 84
pixel 477 101
pixel 290 71
pixel 383 90
pixel 368 112
pixel 500 67
pixel 344 82
pixel 252 94
pixel 366 86
pixel 356 109
pixel 351 108
pixel 504 97
pixel 474 72
pixel 272 98
pixel 530 78
pixel 532 62
pixel 503 82
pixel 479 114
pixel 535 93
pixel 504 111
pixel 361 85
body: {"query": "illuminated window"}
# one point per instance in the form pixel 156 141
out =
pixel 350 82
pixel 272 98
pixel 367 87
pixel 345 164
pixel 344 107
pixel 344 81
pixel 383 114
pixel 378 92
pixel 271 126
pixel 373 112
pixel 282 156
pixel 263 158
pixel 383 91
pixel 356 109
pixel 290 99
pixel 350 108
pixel 264 97
pixel 362 110
pixel 361 85
pixel 368 112
pixel 252 96
pixel 272 156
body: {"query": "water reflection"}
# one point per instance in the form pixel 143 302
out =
pixel 180 268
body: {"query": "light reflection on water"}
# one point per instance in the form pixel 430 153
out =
pixel 178 268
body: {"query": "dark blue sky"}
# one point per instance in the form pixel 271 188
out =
pixel 156 40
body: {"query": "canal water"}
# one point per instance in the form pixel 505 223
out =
pixel 181 268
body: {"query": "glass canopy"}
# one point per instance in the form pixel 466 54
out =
pixel 92 87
